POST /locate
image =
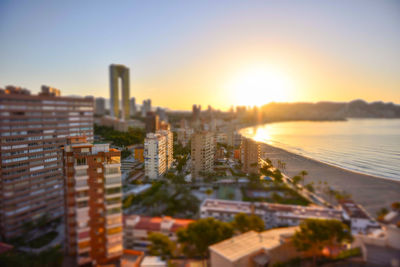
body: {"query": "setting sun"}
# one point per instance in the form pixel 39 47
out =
pixel 261 85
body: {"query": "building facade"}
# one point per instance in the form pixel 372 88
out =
pixel 32 129
pixel 93 202
pixel 169 146
pixel 250 155
pixel 152 122
pixel 100 106
pixel 155 160
pixel 202 153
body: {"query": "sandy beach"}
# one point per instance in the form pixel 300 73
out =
pixel 372 192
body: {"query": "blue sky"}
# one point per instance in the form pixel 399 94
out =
pixel 335 50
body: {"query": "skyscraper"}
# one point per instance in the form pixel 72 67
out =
pixel 169 147
pixel 100 106
pixel 132 104
pixel 250 155
pixel 202 152
pixel 33 128
pixel 93 202
pixel 155 159
pixel 119 72
pixel 152 122
pixel 146 107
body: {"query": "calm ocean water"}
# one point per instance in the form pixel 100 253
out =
pixel 370 146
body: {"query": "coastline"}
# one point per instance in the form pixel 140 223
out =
pixel 370 191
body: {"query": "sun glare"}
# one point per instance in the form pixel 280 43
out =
pixel 261 85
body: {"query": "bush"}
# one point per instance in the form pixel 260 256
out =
pixel 43 240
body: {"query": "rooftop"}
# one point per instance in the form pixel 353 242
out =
pixel 283 210
pixel 354 210
pixel 239 246
pixel 155 223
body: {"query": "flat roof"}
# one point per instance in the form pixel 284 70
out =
pixel 237 247
pixel 282 210
pixel 354 210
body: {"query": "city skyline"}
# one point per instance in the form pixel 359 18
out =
pixel 209 53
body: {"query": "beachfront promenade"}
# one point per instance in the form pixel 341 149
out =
pixel 372 192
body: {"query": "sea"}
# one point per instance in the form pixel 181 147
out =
pixel 369 146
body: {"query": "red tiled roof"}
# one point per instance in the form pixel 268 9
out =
pixel 154 223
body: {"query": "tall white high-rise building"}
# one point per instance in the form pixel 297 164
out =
pixel 155 160
pixel 169 146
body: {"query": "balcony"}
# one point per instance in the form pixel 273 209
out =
pixel 113 205
pixel 84 260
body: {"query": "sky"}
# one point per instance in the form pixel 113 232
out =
pixel 218 53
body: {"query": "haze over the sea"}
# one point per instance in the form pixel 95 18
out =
pixel 369 146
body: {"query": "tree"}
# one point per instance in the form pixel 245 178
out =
pixel 303 174
pixel 316 234
pixel 244 223
pixel 201 234
pixel 161 245
pixel 382 213
pixel 310 187
pixel 396 206
pixel 209 192
pixel 277 175
pixel 296 179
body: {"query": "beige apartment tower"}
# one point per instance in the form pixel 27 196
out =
pixel 119 72
pixel 250 155
pixel 202 153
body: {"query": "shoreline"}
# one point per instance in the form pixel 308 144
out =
pixel 372 192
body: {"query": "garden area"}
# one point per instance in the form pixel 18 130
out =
pixel 273 193
pixel 226 193
pixel 164 199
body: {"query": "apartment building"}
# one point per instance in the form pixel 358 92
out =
pixel 169 153
pixel 137 228
pixel 274 215
pixel 250 155
pixel 184 135
pixel 202 153
pixel 155 160
pixel 100 106
pixel 93 202
pixel 32 129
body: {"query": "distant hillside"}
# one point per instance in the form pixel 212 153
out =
pixel 329 110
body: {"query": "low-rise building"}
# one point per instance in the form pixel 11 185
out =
pixel 137 228
pixel 361 222
pixel 255 249
pixel 273 215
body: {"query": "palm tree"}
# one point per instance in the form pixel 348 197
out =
pixel 303 173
